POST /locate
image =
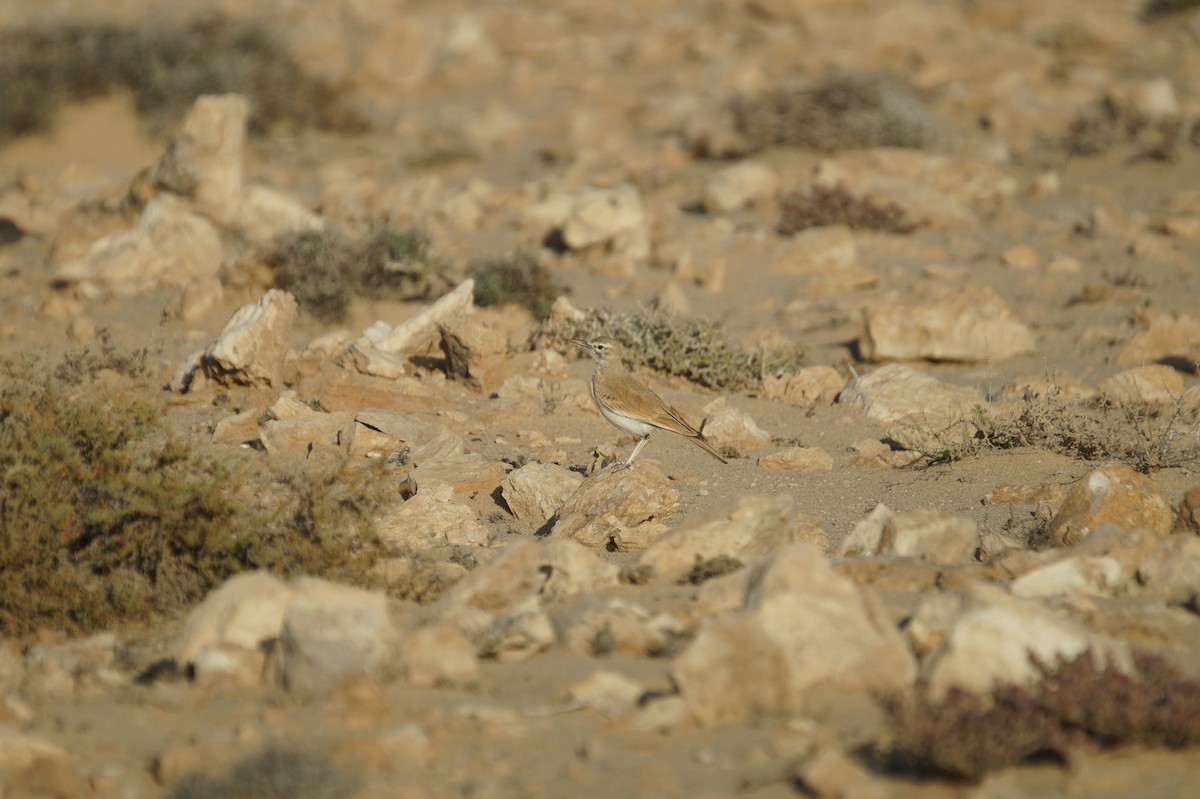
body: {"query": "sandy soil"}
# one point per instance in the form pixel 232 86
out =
pixel 510 736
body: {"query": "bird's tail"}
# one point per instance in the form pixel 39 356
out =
pixel 704 444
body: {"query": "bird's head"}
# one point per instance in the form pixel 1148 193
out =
pixel 604 349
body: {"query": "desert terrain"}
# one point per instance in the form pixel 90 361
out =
pixel 305 494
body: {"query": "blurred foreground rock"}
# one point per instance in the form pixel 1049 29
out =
pixel 621 509
pixel 802 626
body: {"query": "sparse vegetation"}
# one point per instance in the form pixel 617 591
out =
pixel 326 269
pixel 843 112
pixel 1147 438
pixel 1110 123
pixel 1162 8
pixel 107 517
pixel 689 348
pixel 705 570
pixel 274 773
pixel 819 206
pixel 165 69
pixel 1076 703
pixel 517 278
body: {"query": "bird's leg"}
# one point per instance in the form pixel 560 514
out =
pixel 636 451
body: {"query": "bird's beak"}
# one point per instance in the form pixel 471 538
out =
pixel 580 342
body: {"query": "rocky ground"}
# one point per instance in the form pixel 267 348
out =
pixel 955 551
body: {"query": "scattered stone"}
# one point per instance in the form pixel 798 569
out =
pixel 169 246
pixel 311 431
pixel 538 490
pixel 72 670
pixel 1116 495
pixel 726 426
pixel 396 751
pixel 1170 339
pixel 1074 575
pixel 732 671
pixel 812 385
pixel 757 526
pixel 1013 493
pixel 420 442
pixel 22 750
pixel 266 214
pixel 551 569
pixel 1154 98
pixel 1154 384
pixel 1187 515
pixel 245 611
pixel 438 655
pixel 897 391
pixel 198 298
pixel 933 431
pixel 203 161
pixel 431 518
pixel 1169 571
pixel 228 665
pixel 1022 256
pixel 610 217
pixel 476 353
pixel 423 327
pixel 737 186
pixel 607 509
pixel 617 627
pixel 803 626
pixel 466 474
pixel 516 634
pixel 798 459
pixel 252 346
pixel 981 637
pixel 831 774
pixel 966 324
pixel 373 362
pixel 610 693
pixel 330 631
pixel 934 536
pixel 820 250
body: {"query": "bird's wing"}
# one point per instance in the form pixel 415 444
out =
pixel 629 397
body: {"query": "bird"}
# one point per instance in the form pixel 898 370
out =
pixel 629 405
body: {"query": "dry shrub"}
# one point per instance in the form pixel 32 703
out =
pixel 166 69
pixel 107 517
pixel 693 349
pixel 1075 703
pixel 821 206
pixel 1161 8
pixel 1146 437
pixel 1110 123
pixel 275 773
pixel 704 570
pixel 326 269
pixel 843 112
pixel 517 278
